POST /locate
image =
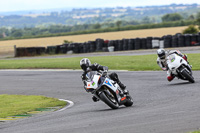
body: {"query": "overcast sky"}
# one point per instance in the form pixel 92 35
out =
pixel 18 5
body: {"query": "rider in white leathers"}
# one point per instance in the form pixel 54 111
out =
pixel 162 60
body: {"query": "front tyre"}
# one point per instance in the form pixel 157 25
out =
pixel 107 100
pixel 188 76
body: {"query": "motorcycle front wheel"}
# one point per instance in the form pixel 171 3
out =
pixel 111 102
pixel 188 76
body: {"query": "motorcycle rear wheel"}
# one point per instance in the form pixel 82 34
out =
pixel 108 101
pixel 129 101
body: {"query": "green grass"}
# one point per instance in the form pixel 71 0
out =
pixel 195 132
pixel 131 63
pixel 11 105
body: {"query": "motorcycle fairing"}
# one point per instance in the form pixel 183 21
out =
pixel 94 83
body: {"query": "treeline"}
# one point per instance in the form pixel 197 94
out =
pixel 169 20
pixel 95 15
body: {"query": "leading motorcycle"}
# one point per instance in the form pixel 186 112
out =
pixel 107 90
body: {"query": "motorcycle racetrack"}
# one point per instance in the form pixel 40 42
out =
pixel 159 106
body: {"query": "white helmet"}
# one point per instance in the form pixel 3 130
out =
pixel 161 53
pixel 85 63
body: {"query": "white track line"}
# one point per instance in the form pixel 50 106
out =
pixel 68 106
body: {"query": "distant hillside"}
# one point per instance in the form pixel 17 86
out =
pixel 151 14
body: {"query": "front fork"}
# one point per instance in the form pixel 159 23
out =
pixel 182 68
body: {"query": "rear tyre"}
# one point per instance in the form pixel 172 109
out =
pixel 107 100
pixel 188 76
pixel 129 101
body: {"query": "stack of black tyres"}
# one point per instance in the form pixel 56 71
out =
pixel 85 48
pixel 174 41
pixel 99 44
pixel 81 48
pixel 76 48
pixel 63 49
pixel 22 52
pixel 58 49
pixel 187 39
pixel 70 47
pixel 181 40
pixel 137 43
pixel 125 44
pixel 144 43
pixel 120 45
pixel 51 49
pixel 131 43
pixel 149 42
pixel 194 39
pixel 167 41
pixel 115 45
pixel 40 50
pixel 199 37
pixel 92 46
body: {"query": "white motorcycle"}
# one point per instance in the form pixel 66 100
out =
pixel 179 67
pixel 107 90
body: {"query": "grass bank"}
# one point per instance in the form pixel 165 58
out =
pixel 11 105
pixel 131 63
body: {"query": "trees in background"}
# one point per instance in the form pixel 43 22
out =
pixel 172 17
pixel 169 20
pixel 192 29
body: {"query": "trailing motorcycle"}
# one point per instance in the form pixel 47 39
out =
pixel 180 68
pixel 107 90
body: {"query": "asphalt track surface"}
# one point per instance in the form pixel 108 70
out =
pixel 159 106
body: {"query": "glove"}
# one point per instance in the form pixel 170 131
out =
pixel 83 76
pixel 104 73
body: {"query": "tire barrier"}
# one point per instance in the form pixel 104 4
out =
pixel 187 40
pixel 137 43
pixel 181 41
pixel 149 42
pixel 30 51
pixel 131 44
pixel 174 41
pixel 115 45
pixel 120 45
pixel 143 43
pixel 100 45
pixel 167 41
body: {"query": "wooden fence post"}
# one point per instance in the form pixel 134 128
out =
pixel 15 51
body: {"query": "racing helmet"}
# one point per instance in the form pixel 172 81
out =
pixel 161 53
pixel 85 63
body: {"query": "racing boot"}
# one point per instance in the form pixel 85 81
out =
pixel 170 78
pixel 123 87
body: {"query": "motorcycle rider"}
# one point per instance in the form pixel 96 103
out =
pixel 162 60
pixel 87 67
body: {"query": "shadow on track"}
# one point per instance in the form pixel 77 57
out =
pixel 181 83
pixel 109 109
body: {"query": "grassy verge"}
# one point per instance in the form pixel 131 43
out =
pixel 131 63
pixel 20 104
pixel 195 132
